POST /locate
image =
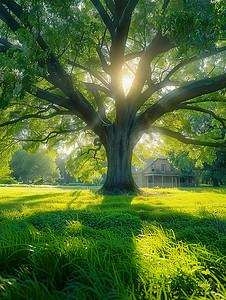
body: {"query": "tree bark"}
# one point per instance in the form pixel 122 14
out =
pixel 119 150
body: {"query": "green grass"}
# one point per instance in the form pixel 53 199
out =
pixel 58 243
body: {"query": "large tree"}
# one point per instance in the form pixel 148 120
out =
pixel 66 64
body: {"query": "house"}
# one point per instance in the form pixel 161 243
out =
pixel 160 172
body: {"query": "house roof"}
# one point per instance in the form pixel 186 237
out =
pixel 148 162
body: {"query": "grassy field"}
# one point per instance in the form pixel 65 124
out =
pixel 60 243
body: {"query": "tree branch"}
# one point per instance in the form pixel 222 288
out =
pixel 58 75
pixel 126 14
pixel 77 104
pixel 159 44
pixel 170 101
pixel 178 136
pixel 205 100
pixel 98 145
pixel 101 109
pixel 192 59
pixel 167 82
pixel 152 89
pixel 111 6
pixel 91 72
pixel 165 5
pixel 104 16
pixel 123 12
pixel 52 98
pixel 82 109
pixel 36 116
pixel 123 18
pixel 200 109
pixel 104 64
pixel 6 17
pixel 133 55
pixel 53 134
pixel 5 45
pixel 90 86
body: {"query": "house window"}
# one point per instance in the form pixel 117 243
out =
pixel 163 167
pixel 153 168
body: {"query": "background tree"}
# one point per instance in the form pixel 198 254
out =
pixel 215 173
pixel 211 173
pixel 64 173
pixel 35 167
pixel 66 67
pixel 183 162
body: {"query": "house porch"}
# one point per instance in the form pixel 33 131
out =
pixel 162 180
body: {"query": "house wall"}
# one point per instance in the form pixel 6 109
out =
pixel 158 167
pixel 140 180
pixel 160 180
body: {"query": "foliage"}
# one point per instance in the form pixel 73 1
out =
pixel 194 34
pixel 6 151
pixel 216 171
pixel 73 244
pixel 5 172
pixel 33 167
pixel 87 161
pixel 210 172
pixel 65 177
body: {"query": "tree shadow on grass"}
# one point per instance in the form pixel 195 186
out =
pixel 16 202
pixel 116 214
pixel 76 195
pixel 107 231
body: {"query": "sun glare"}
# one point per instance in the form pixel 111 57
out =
pixel 127 81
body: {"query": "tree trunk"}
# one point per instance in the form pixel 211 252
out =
pixel 119 157
pixel 215 182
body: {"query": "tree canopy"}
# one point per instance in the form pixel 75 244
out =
pixel 109 71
